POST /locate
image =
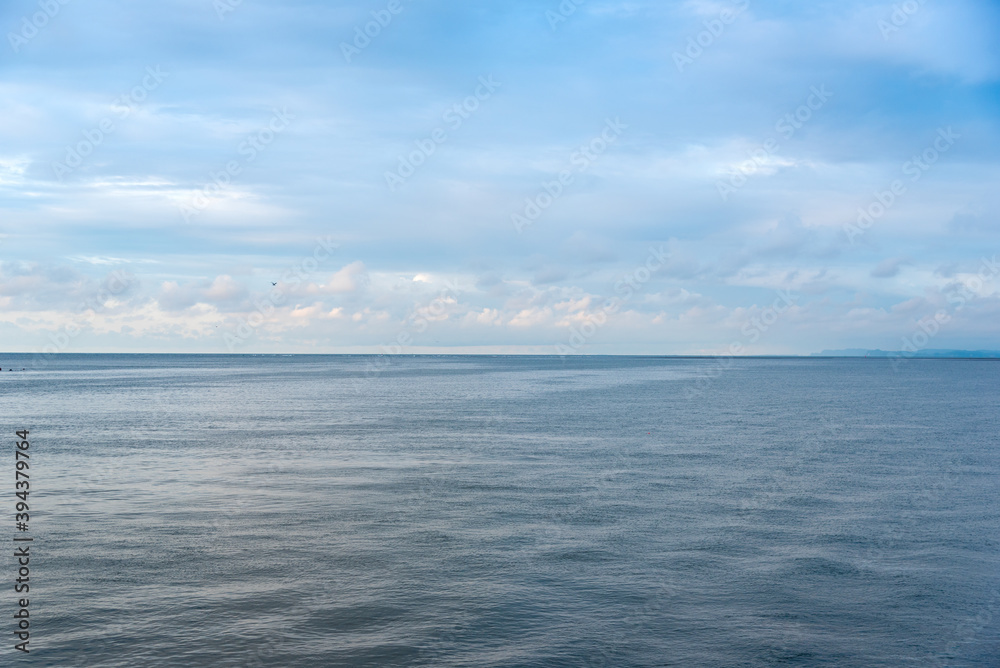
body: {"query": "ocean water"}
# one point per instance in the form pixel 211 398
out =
pixel 508 511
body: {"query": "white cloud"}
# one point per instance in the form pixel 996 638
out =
pixel 352 278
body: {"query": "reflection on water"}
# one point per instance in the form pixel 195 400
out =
pixel 497 511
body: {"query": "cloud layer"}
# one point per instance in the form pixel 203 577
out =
pixel 498 177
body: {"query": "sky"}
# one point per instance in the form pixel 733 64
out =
pixel 518 176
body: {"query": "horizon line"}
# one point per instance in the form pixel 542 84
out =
pixel 892 356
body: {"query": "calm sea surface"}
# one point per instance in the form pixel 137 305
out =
pixel 505 511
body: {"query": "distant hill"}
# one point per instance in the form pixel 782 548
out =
pixel 926 354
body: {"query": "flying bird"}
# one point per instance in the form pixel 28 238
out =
pixel 273 283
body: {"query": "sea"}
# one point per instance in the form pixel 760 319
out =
pixel 487 511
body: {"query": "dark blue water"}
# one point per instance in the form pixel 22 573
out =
pixel 477 511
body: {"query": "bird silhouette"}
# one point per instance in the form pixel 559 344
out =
pixel 273 283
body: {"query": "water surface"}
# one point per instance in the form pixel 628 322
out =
pixel 510 511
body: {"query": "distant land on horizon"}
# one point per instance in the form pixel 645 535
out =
pixel 926 354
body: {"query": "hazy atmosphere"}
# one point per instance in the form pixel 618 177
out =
pixel 589 177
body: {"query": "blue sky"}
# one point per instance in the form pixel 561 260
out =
pixel 713 155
